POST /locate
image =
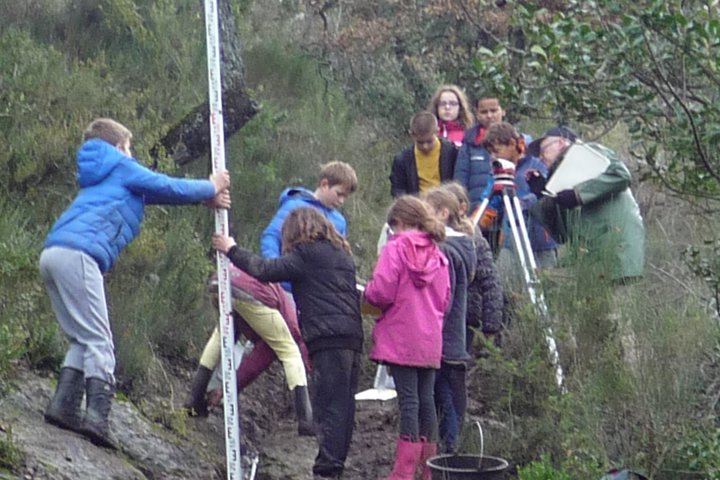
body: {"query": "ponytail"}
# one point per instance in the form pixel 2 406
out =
pixel 441 198
pixel 435 228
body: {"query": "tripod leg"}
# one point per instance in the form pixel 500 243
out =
pixel 525 255
pixel 524 233
pixel 477 214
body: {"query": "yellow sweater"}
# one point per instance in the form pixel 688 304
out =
pixel 428 166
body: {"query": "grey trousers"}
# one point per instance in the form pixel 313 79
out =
pixel 77 293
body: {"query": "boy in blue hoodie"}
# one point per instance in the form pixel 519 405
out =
pixel 336 182
pixel 82 245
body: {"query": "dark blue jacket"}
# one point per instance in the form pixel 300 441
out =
pixel 114 188
pixel 472 167
pixel 460 252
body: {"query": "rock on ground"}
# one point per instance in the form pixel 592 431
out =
pixel 152 451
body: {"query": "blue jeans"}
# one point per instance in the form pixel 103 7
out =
pixel 451 403
pixel 414 386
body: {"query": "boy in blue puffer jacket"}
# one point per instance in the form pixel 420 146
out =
pixel 82 245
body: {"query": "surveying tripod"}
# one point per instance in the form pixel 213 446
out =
pixel 504 185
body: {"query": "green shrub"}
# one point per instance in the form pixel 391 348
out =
pixel 542 469
pixel 28 326
pixel 157 291
pixel 11 456
pixel 700 453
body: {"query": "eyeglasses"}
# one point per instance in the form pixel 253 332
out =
pixel 449 104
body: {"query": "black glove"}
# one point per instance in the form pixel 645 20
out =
pixel 567 198
pixel 536 182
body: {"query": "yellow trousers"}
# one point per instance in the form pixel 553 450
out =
pixel 271 327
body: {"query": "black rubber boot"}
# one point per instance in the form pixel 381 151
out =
pixel 64 409
pixel 303 411
pixel 196 402
pixel 96 424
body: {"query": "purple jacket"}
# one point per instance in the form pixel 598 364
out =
pixel 411 285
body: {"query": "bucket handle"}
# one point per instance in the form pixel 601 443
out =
pixel 482 444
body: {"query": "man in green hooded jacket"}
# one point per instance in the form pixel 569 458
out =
pixel 599 215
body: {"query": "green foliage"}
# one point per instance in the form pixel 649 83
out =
pixel 65 63
pixel 11 347
pixel 11 456
pixel 156 293
pixel 700 453
pixel 39 85
pixel 27 329
pixel 166 415
pixel 18 243
pixel 133 61
pixel 649 64
pixel 542 469
pixel 305 122
pixel 640 367
pixel 704 262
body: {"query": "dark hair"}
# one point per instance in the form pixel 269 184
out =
pixel 307 224
pixel 415 213
pixel 502 133
pixel 439 198
pixel 486 96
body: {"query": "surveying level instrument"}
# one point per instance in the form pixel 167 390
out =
pixel 504 185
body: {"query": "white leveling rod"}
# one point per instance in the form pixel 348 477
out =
pixel 232 430
pixel 516 220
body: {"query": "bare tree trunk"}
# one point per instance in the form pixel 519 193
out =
pixel 190 138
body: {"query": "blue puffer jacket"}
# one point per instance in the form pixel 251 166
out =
pixel 114 188
pixel 290 199
pixel 472 167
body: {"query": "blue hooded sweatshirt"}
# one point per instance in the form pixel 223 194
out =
pixel 290 199
pixel 105 214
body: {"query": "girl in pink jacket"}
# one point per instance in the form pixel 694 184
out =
pixel 411 286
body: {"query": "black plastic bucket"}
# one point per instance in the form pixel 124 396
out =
pixel 467 467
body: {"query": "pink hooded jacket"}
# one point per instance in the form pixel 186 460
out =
pixel 411 285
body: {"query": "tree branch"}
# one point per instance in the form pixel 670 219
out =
pixel 190 139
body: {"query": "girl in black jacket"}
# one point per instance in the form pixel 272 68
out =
pixel 317 262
